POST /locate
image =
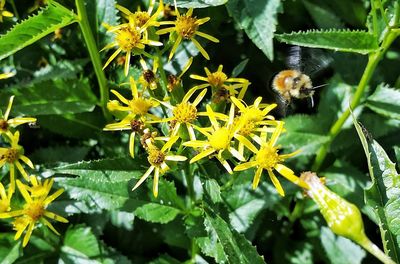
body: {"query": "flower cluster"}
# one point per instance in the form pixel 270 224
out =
pixel 36 196
pixel 208 121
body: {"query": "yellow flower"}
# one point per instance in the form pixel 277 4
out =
pixel 148 78
pixel 34 209
pixel 221 83
pixel 3 12
pixel 184 113
pixel 186 27
pixel 141 19
pixel 267 158
pixel 12 156
pixel 138 116
pixel 157 159
pixel 128 39
pixel 6 123
pixel 219 139
pixel 4 199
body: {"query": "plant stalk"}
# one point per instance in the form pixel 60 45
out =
pixel 373 61
pixel 374 250
pixel 94 56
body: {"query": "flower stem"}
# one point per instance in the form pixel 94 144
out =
pixel 94 56
pixel 164 80
pixel 374 250
pixel 373 61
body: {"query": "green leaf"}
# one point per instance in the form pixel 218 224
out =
pixel 107 184
pixel 323 16
pixel 339 249
pixel 53 17
pixel 59 154
pixel 10 250
pixel 156 213
pixel 213 190
pixel 258 19
pixel 239 68
pixel 64 69
pixel 197 3
pixel 385 101
pixel 106 12
pixel 50 97
pixel 385 186
pixel 237 248
pixel 338 40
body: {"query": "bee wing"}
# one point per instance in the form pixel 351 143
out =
pixel 315 61
pixel 294 58
pixel 283 105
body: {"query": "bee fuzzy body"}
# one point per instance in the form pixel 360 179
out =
pixel 293 84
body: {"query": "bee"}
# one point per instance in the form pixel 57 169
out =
pixel 294 82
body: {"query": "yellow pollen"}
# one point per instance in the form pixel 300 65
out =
pixel 246 128
pixel 11 155
pixel 128 38
pixel 186 26
pixel 220 139
pixel 267 157
pixel 140 18
pixel 140 106
pixel 185 113
pixel 34 210
pixel 156 157
pixel 217 79
pixel 3 125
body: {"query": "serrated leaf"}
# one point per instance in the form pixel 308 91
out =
pixel 51 97
pixel 385 101
pixel 196 3
pixel 213 190
pixel 339 249
pixel 107 184
pixel 385 186
pixel 53 17
pixel 156 213
pixel 63 69
pixel 258 19
pixel 237 248
pixel 338 40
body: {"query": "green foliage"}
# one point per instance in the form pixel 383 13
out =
pixel 34 28
pixel 383 192
pixel 338 40
pixel 258 20
pixel 197 3
pixel 384 101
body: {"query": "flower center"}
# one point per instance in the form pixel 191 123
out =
pixel 127 38
pixel 34 210
pixel 185 113
pixel 253 115
pixel 11 155
pixel 3 125
pixel 246 128
pixel 173 82
pixel 137 126
pixel 186 26
pixel 140 18
pixel 220 139
pixel 38 191
pixel 217 79
pixel 156 157
pixel 267 157
pixel 140 106
pixel 149 76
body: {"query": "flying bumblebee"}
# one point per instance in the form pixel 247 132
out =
pixel 293 82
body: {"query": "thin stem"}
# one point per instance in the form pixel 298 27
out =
pixel 373 61
pixel 189 181
pixel 374 250
pixel 164 80
pixel 94 56
pixel 14 9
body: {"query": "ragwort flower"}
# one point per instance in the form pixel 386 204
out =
pixel 157 159
pixel 4 199
pixel 6 75
pixel 221 84
pixel 267 158
pixel 138 116
pixel 186 27
pixel 6 123
pixel 219 139
pixel 140 18
pixel 12 157
pixel 148 79
pixel 34 209
pixel 184 113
